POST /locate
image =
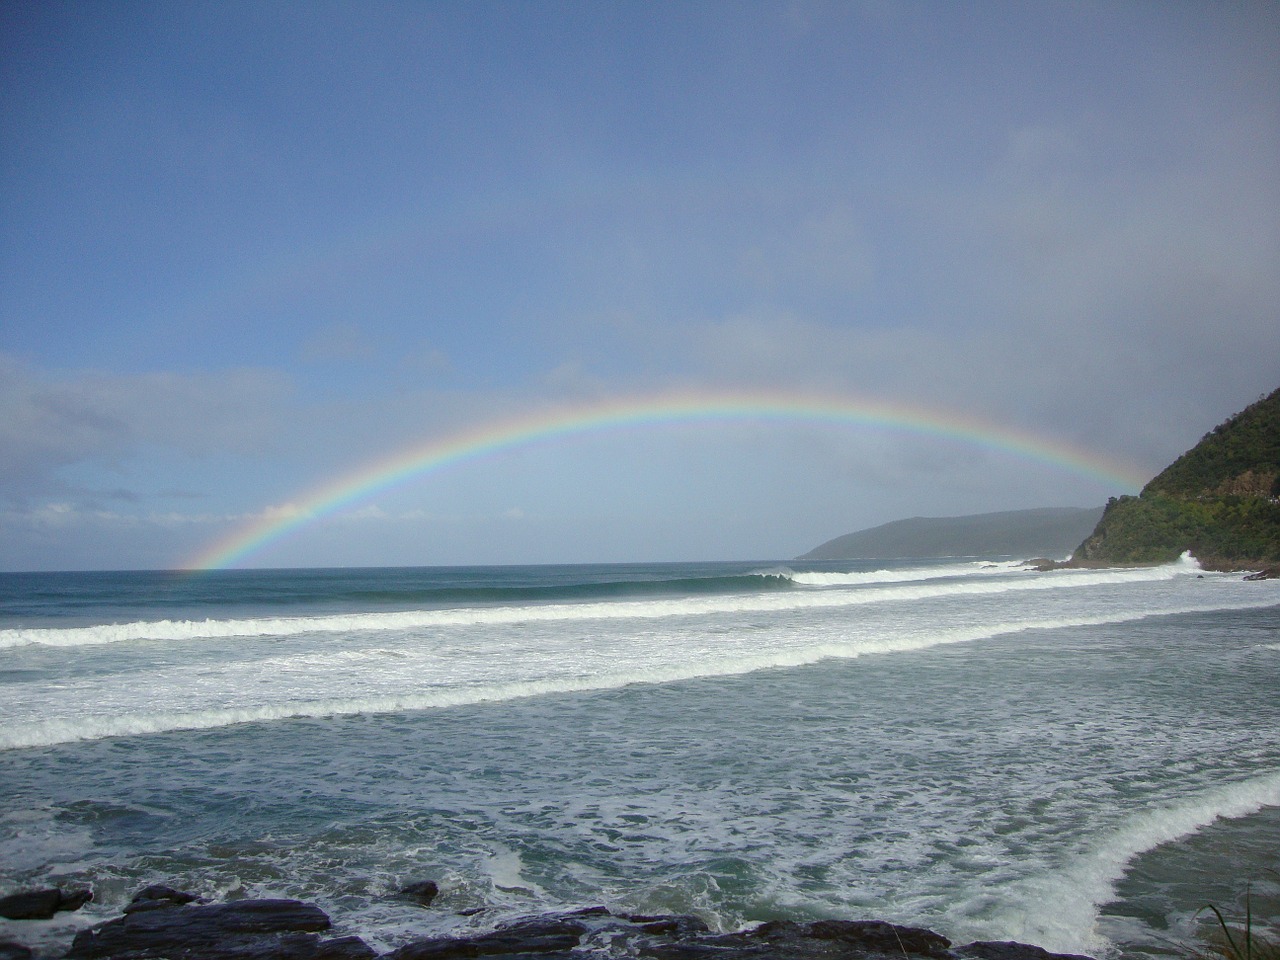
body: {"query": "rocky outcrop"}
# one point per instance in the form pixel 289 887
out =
pixel 1270 573
pixel 240 930
pixel 1009 950
pixel 162 923
pixel 595 933
pixel 819 940
pixel 42 904
pixel 536 935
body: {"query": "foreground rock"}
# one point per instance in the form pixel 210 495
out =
pixel 241 930
pixel 42 904
pixel 167 924
pixel 1010 950
pixel 555 936
pixel 596 933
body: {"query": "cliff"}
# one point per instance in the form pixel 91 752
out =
pixel 1220 500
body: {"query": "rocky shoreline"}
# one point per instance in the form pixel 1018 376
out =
pixel 1255 570
pixel 162 923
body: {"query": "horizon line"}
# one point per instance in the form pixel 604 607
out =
pixel 421 458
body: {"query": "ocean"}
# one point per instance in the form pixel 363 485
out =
pixel 1079 759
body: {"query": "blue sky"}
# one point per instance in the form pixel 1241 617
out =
pixel 247 247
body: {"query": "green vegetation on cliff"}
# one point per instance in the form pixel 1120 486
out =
pixel 1220 500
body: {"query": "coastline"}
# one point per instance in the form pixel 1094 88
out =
pixel 162 922
pixel 1253 569
pixel 1225 862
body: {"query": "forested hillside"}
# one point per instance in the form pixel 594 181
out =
pixel 1220 500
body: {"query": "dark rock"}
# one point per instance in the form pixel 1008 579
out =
pixel 42 904
pixel 160 891
pixel 1270 573
pixel 241 930
pixel 343 948
pixel 679 925
pixel 688 938
pixel 819 940
pixel 159 896
pixel 1010 950
pixel 876 935
pixel 14 951
pixel 421 893
pixel 31 905
pixel 74 899
pixel 167 924
pixel 538 935
pixel 587 912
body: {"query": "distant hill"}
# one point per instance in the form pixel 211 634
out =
pixel 1220 500
pixel 1047 532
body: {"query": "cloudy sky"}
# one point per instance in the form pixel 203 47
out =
pixel 250 248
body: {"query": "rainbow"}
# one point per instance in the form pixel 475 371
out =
pixel 653 410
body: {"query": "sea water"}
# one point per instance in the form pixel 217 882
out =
pixel 1077 758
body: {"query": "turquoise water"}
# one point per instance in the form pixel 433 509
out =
pixel 981 749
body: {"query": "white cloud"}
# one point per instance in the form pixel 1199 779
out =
pixel 53 420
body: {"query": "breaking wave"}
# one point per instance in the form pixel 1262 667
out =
pixel 1078 889
pixel 54 731
pixel 878 587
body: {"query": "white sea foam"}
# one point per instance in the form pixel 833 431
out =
pixel 1059 909
pixel 390 691
pixel 506 872
pixel 819 578
pixel 977 581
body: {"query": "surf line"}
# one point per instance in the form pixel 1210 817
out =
pixel 647 411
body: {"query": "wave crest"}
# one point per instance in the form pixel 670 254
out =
pixel 826 591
